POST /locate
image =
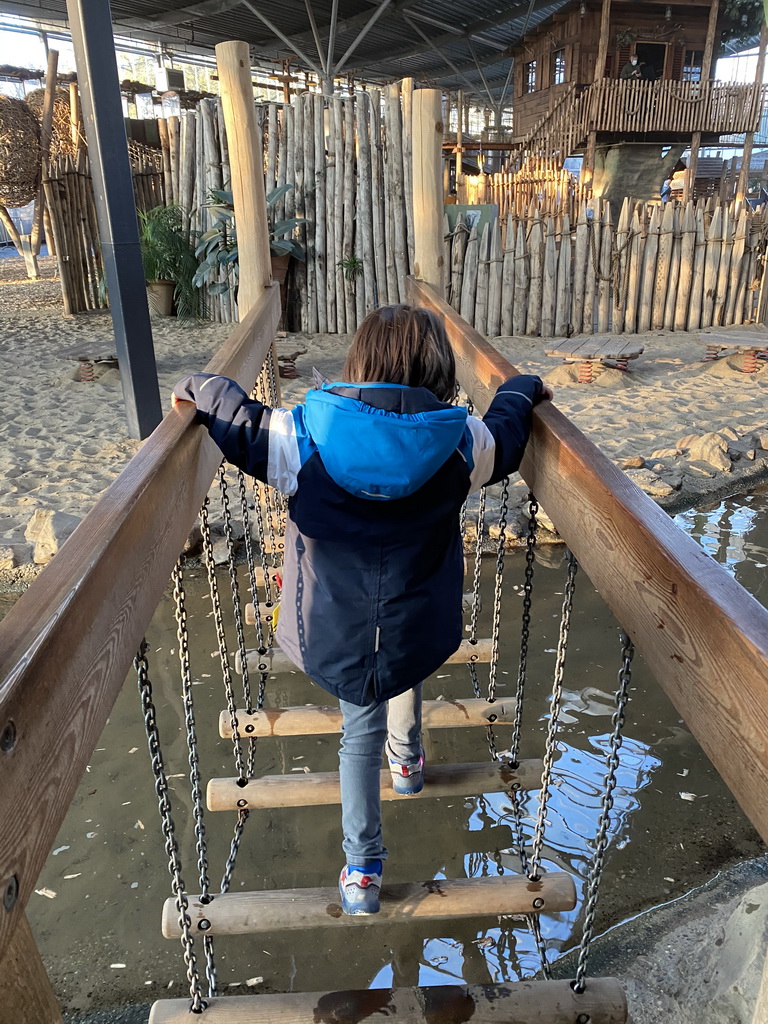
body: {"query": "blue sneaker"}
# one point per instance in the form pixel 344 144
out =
pixel 407 779
pixel 360 887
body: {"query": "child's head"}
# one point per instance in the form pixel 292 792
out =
pixel 403 345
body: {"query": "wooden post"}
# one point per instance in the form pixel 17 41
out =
pixel 250 203
pixel 709 43
pixel 749 141
pixel 74 115
pixel 25 991
pixel 693 166
pixel 428 188
pixel 602 46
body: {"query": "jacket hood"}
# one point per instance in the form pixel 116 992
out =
pixel 382 441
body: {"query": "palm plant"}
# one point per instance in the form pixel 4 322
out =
pixel 168 255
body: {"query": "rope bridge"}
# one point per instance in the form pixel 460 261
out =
pixel 66 646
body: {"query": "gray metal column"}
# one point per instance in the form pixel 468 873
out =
pixel 90 22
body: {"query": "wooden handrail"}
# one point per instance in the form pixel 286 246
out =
pixel 701 634
pixel 67 644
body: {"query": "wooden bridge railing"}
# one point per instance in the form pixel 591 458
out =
pixel 702 635
pixel 66 644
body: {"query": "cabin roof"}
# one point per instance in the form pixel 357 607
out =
pixel 436 41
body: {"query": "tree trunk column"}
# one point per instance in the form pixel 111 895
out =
pixel 428 206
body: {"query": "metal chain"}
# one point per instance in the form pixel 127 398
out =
pixel 226 670
pixel 168 828
pixel 257 489
pixel 557 695
pixel 182 634
pixel 609 785
pixel 522 669
pixel 229 867
pixel 235 586
pixel 476 588
pixel 500 553
pixel 250 561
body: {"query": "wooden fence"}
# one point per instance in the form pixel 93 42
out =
pixel 674 267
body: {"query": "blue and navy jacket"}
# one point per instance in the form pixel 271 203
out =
pixel 376 475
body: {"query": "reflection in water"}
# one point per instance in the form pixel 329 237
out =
pixel 109 872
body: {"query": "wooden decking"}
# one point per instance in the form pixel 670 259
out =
pixel 596 348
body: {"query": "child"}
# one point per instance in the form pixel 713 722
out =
pixel 377 468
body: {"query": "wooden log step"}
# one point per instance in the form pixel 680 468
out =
pixel 272 572
pixel 319 720
pixel 251 913
pixel 275 660
pixel 321 788
pixel 517 1002
pixel 266 610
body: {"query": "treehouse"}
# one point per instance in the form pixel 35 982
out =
pixel 577 90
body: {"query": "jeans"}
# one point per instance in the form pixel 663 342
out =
pixel 363 735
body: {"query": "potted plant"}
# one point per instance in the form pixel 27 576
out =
pixel 217 247
pixel 169 262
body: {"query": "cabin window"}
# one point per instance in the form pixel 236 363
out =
pixel 694 60
pixel 558 67
pixel 529 79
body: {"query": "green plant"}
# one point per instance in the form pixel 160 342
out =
pixel 351 267
pixel 168 255
pixel 217 247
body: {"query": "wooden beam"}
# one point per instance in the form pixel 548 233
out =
pixel 26 995
pixel 749 141
pixel 322 788
pixel 320 721
pixel 67 643
pixel 517 1002
pixel 428 207
pixel 438 899
pixel 602 45
pixel 275 660
pixel 693 166
pixel 707 63
pixel 701 634
pixel 45 147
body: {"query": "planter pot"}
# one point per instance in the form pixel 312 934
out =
pixel 160 295
pixel 280 267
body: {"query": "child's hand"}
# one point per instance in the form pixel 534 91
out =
pixel 546 392
pixel 178 401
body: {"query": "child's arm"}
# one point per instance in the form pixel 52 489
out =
pixel 499 439
pixel 250 435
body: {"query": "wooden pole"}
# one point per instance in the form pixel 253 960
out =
pixel 749 141
pixel 709 43
pixel 602 46
pixel 74 116
pixel 247 171
pixel 428 188
pixel 26 995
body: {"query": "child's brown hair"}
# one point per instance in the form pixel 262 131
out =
pixel 403 345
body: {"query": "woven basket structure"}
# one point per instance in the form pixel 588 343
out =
pixel 20 155
pixel 61 132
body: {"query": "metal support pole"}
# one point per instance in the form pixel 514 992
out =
pixel 91 26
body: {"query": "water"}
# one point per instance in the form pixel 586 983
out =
pixel 674 823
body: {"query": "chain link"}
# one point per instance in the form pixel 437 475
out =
pixel 226 670
pixel 499 586
pixel 182 634
pixel 609 785
pixel 557 695
pixel 229 867
pixel 522 669
pixel 235 587
pixel 168 828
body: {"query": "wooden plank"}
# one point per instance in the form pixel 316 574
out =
pixel 518 1002
pixel 322 788
pixel 437 899
pixel 66 645
pixel 701 634
pixel 312 720
pixel 26 995
pixel 275 660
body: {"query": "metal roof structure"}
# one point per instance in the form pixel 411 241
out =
pixel 439 42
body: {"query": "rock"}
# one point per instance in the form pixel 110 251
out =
pixel 7 558
pixel 650 483
pixel 687 441
pixel 220 551
pixel 673 476
pixel 712 449
pixel 48 530
pixel 658 467
pixel 730 433
pixel 762 440
pixel 666 453
pixel 194 542
pixel 700 469
pixel 750 454
pixel 545 522
pixel 634 462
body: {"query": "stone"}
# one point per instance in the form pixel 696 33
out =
pixel 750 454
pixel 649 482
pixel 762 440
pixel 194 542
pixel 7 558
pixel 673 475
pixel 687 441
pixel 710 448
pixel 545 522
pixel 220 551
pixel 666 453
pixel 700 469
pixel 730 433
pixel 634 462
pixel 48 530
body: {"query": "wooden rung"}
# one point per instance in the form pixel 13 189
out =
pixel 272 572
pixel 275 660
pixel 318 721
pixel 266 610
pixel 301 789
pixel 517 1002
pixel 249 913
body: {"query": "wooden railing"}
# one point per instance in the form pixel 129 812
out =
pixel 625 106
pixel 66 645
pixel 702 635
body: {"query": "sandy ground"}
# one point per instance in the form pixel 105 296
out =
pixel 63 441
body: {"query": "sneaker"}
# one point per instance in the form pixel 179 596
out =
pixel 360 888
pixel 407 779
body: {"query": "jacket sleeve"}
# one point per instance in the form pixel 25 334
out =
pixel 499 439
pixel 263 442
